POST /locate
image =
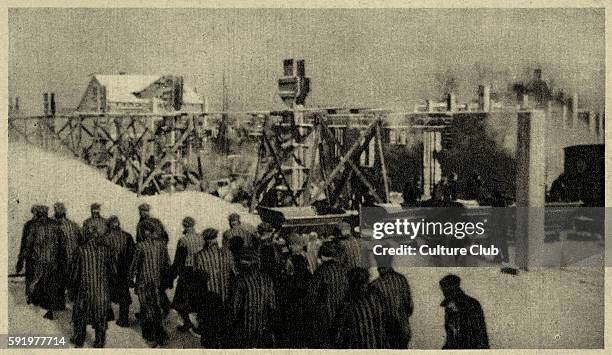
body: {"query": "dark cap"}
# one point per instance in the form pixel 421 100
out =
pixel 329 249
pixel 188 222
pixel 450 281
pixel 95 206
pixel 59 207
pixel 264 227
pixel 210 234
pixel 144 207
pixel 113 220
pixel 233 217
pixel 344 229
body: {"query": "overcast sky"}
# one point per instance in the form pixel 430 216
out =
pixel 359 57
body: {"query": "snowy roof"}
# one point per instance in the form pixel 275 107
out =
pixel 123 87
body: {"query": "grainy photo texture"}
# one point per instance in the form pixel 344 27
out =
pixel 306 178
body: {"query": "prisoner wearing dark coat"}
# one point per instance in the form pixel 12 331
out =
pixel 253 304
pixel 151 269
pixel 218 264
pixel 396 297
pixel 185 295
pixel 121 246
pixel 464 322
pixel 25 250
pixel 160 230
pixel 360 323
pixel 91 281
pixel 46 288
pixel 327 290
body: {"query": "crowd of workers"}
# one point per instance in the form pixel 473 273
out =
pixel 251 289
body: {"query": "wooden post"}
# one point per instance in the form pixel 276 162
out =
pixel 383 165
pixel 530 188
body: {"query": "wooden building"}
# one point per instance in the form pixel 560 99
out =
pixel 125 93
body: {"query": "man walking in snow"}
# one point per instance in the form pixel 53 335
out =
pixel 91 282
pixel 150 267
pixel 187 247
pixel 145 215
pixel 121 246
pixel 71 237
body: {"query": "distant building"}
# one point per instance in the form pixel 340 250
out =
pixel 139 94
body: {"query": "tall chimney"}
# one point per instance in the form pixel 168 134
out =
pixel 574 108
pixel 451 102
pixel 484 98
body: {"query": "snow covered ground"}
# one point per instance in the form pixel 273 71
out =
pixel 545 308
pixel 39 177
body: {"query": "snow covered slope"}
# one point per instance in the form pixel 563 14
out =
pixel 39 177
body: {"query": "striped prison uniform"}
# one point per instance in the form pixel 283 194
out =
pixel 395 295
pixel 151 269
pixel 361 323
pixel 185 294
pixel 71 240
pixel 91 284
pixel 121 245
pixel 218 264
pixel 326 292
pixel 253 304
pixel 350 252
pixel 47 286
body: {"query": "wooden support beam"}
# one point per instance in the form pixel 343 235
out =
pixel 356 147
pixel 280 170
pixel 358 171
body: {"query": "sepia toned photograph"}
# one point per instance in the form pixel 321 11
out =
pixel 321 178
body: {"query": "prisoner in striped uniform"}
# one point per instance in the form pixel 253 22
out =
pixel 96 219
pixel 326 292
pixel 360 323
pixel 214 268
pixel 395 294
pixel 25 250
pixel 217 262
pixel 350 249
pixel 185 295
pixel 150 267
pixel 71 233
pixel 46 287
pixel 91 279
pixel 121 245
pixel 291 328
pixel 252 305
pixel 239 235
pixel 145 215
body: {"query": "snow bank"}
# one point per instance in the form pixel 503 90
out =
pixel 36 176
